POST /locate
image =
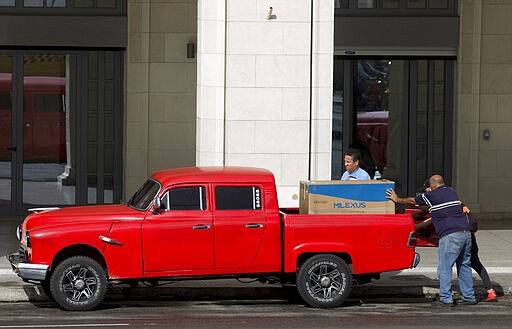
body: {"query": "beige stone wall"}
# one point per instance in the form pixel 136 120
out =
pixel 160 88
pixel 484 94
pixel 255 86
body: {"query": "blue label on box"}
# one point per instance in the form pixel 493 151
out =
pixel 361 192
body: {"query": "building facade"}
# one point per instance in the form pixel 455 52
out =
pixel 419 86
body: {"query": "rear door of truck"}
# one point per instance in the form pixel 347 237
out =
pixel 239 221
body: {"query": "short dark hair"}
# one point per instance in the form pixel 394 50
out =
pixel 355 154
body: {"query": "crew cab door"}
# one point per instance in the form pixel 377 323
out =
pixel 240 223
pixel 180 235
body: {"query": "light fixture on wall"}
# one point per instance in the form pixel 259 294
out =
pixel 191 51
pixel 270 15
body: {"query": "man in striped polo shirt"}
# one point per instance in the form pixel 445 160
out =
pixel 454 238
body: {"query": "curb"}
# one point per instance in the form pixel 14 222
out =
pixel 395 287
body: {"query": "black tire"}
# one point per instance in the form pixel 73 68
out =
pixel 324 281
pixel 78 284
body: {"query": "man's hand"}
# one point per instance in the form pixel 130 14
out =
pixel 391 194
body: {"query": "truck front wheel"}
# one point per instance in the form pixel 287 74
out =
pixel 78 283
pixel 324 281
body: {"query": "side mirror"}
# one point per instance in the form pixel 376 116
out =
pixel 157 206
pixel 157 203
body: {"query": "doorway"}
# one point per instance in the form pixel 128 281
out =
pixel 398 113
pixel 57 113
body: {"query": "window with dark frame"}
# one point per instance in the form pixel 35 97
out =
pixel 238 198
pixel 63 7
pixel 185 198
pixel 48 103
pixel 395 7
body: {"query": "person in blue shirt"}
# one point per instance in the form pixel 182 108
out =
pixel 453 229
pixel 352 169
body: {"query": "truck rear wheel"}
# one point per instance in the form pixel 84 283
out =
pixel 324 281
pixel 78 283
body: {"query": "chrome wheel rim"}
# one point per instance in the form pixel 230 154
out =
pixel 79 284
pixel 325 282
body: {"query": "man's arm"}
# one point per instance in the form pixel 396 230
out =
pixel 391 194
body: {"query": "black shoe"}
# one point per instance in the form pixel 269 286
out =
pixel 439 303
pixel 467 302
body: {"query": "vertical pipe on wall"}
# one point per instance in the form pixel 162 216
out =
pixel 310 90
pixel 224 133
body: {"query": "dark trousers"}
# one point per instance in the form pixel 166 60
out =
pixel 477 265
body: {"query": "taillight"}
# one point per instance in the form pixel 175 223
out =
pixel 413 239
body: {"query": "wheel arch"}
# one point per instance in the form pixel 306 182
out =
pixel 79 250
pixel 307 255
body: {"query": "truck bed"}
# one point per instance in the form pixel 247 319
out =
pixel 370 243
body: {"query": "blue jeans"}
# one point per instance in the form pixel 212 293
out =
pixel 455 248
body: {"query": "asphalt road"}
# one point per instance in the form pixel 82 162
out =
pixel 278 314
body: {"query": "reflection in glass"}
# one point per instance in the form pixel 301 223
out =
pixel 366 4
pixel 45 155
pixel 56 3
pixel 33 3
pixel 7 3
pixel 5 129
pixel 372 104
pixel 340 3
pixel 337 122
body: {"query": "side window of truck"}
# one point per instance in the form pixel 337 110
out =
pixel 185 198
pixel 48 103
pixel 5 101
pixel 238 198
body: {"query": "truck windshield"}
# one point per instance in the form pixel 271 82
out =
pixel 143 197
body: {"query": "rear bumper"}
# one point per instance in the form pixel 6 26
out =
pixel 27 271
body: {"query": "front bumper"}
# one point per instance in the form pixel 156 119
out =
pixel 27 271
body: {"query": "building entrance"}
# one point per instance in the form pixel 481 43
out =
pixel 398 113
pixel 58 135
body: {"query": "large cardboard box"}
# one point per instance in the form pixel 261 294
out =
pixel 347 197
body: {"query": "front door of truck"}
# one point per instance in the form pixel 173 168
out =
pixel 239 225
pixel 180 236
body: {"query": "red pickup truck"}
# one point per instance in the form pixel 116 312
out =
pixel 208 222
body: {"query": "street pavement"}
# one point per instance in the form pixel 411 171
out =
pixel 494 239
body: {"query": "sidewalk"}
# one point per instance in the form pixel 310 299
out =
pixel 495 246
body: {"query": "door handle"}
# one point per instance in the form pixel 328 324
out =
pixel 254 225
pixel 13 149
pixel 201 227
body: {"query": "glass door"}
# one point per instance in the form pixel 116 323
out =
pixel 398 113
pixel 61 128
pixel 6 118
pixel 45 130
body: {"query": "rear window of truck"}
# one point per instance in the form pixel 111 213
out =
pixel 238 198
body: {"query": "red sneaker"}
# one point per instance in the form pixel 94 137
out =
pixel 491 296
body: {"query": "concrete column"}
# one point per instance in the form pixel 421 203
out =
pixel 211 75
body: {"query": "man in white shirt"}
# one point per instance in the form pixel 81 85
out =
pixel 353 172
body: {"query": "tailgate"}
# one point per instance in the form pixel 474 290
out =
pixel 426 235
